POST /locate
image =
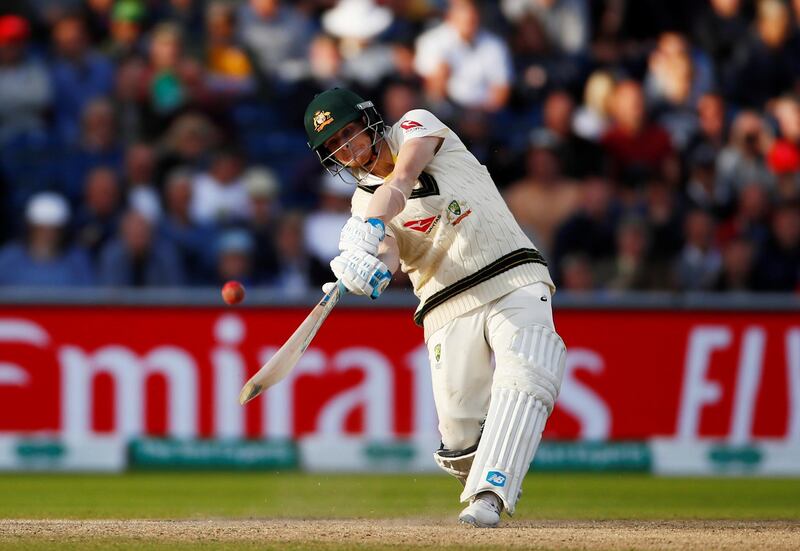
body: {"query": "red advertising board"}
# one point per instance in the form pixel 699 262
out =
pixel 177 371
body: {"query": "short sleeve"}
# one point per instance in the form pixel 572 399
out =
pixel 419 123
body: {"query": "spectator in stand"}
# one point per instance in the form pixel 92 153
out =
pixel 167 89
pixel 578 157
pixel 322 226
pixel 536 67
pixel 25 88
pixel 126 30
pixel 175 82
pixel 188 142
pixel 577 275
pixel 191 240
pixel 219 195
pixel 45 258
pixel 297 271
pixel 673 85
pixel 742 161
pixel 777 268
pixel 79 73
pixel 566 21
pixel 324 71
pixel 98 146
pixel 97 14
pixel 227 64
pixel 143 197
pixel 591 230
pixel 98 215
pixel 262 188
pixel 403 61
pixel 663 214
pixel 277 36
pixel 719 29
pixel 357 24
pixel 136 258
pixel 129 100
pixel 784 154
pixel 700 262
pixel 764 60
pixel 463 62
pixel 737 266
pixel 751 219
pixel 711 131
pixel 592 119
pixel 399 97
pixel 702 190
pixel 631 269
pixel 235 249
pixel 543 198
pixel 636 146
pixel 187 15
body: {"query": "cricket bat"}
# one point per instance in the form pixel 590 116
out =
pixel 287 356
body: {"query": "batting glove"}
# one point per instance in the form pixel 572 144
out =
pixel 358 234
pixel 361 273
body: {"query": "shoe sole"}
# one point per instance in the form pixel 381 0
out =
pixel 472 521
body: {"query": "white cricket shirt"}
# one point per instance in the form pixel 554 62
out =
pixel 459 243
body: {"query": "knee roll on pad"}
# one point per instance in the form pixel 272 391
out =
pixel 456 463
pixel 534 364
pixel 525 386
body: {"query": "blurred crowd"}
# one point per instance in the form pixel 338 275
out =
pixel 642 144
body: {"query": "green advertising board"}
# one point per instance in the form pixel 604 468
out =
pixel 213 454
pixel 629 456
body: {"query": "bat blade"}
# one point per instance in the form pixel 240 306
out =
pixel 287 356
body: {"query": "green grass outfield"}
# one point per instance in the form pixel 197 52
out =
pixel 293 495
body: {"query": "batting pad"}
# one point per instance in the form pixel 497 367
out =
pixel 526 383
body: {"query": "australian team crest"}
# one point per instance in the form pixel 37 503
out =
pixel 457 211
pixel 322 119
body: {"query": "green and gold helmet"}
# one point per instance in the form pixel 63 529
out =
pixel 331 111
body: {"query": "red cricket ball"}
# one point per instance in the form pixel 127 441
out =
pixel 233 292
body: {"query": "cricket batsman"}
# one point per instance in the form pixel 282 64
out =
pixel 423 203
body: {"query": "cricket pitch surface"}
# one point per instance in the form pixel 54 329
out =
pixel 293 511
pixel 410 534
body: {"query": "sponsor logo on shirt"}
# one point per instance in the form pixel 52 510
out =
pixel 410 125
pixel 424 225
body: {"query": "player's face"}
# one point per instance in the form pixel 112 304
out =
pixel 352 145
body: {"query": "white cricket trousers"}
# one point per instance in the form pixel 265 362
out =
pixel 461 353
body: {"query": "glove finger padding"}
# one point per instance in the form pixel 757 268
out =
pixel 328 287
pixel 361 273
pixel 358 234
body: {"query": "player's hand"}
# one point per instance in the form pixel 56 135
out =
pixel 362 235
pixel 361 273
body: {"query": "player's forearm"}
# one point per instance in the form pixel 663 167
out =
pixel 389 199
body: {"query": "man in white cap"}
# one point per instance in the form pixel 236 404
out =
pixel 357 24
pixel 43 259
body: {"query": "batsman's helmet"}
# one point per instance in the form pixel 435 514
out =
pixel 331 111
pixel 334 109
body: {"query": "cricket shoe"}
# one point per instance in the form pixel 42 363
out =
pixel 483 512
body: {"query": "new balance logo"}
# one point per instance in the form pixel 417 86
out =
pixel 424 226
pixel 496 478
